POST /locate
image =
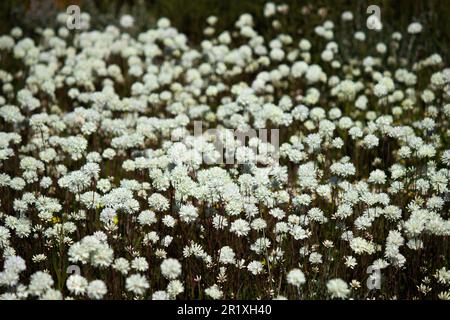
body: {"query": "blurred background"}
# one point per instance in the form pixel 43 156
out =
pixel 189 16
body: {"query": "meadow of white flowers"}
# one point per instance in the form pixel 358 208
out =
pixel 107 193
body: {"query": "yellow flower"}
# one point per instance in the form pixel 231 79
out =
pixel 56 220
pixel 116 220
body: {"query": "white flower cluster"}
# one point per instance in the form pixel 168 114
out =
pixel 101 165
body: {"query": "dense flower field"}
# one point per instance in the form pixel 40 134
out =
pixel 137 165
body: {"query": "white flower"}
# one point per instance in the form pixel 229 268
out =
pixel 160 295
pixel 296 277
pixel 415 28
pixel 170 268
pixel 338 288
pixel 139 264
pixel 39 283
pixel 347 16
pixel 147 217
pixel 136 284
pixel 370 141
pixel 214 292
pixel 360 246
pixel 77 284
pixel 121 265
pixel 315 258
pixel 255 267
pixel 377 177
pixel 174 288
pixel 14 264
pixel 51 294
pixel 226 255
pixel 107 215
pixel 350 262
pixel 240 227
pixel 158 202
pixel 91 249
pixel 188 213
pixel 126 21
pixel 96 289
